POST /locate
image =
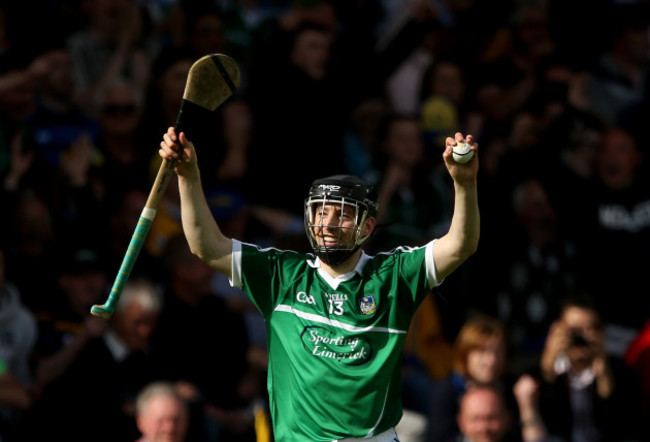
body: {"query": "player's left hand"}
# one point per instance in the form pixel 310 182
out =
pixel 463 174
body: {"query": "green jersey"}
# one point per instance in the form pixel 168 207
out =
pixel 335 344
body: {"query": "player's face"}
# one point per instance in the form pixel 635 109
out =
pixel 334 226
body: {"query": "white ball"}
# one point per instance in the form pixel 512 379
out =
pixel 462 153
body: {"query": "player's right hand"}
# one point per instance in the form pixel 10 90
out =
pixel 179 149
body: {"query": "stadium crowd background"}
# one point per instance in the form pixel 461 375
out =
pixel 557 98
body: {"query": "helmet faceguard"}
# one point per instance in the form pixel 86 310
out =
pixel 344 191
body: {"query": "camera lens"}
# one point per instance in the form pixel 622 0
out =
pixel 578 340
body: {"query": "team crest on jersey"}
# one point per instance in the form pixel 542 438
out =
pixel 367 305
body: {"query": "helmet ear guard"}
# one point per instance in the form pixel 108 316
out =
pixel 346 191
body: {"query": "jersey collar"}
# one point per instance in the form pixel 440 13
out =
pixel 363 259
pixel 334 282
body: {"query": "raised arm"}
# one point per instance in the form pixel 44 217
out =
pixel 461 241
pixel 201 230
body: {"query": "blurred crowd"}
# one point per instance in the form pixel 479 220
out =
pixel 547 325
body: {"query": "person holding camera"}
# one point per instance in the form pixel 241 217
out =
pixel 583 395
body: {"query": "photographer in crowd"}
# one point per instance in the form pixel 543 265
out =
pixel 583 391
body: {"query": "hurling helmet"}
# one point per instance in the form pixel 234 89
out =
pixel 343 190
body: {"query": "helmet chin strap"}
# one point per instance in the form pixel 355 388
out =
pixel 333 256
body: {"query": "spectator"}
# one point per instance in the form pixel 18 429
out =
pixel 161 413
pixel 204 31
pixel 14 74
pixel 125 163
pixel 572 165
pixel 15 399
pixel 17 328
pixel 526 391
pixel 361 134
pixel 164 90
pixel 510 61
pixel 633 117
pixel 18 334
pixel 17 96
pixel 109 372
pixel 61 139
pixel 247 24
pixel 616 215
pixel 416 200
pixel 423 33
pixel 231 167
pixel 479 358
pixel 13 394
pixel 56 123
pixel 618 78
pixel 108 46
pixel 65 328
pixel 409 49
pixel 427 357
pixel 31 245
pixel 296 101
pixel 446 78
pixel 538 268
pixel 442 104
pixel 484 416
pixel 192 318
pixel 638 358
pixel 584 395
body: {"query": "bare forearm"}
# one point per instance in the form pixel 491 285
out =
pixel 466 224
pixel 532 425
pixel 533 430
pixel 604 381
pixel 462 239
pixel 203 235
pixel 547 369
